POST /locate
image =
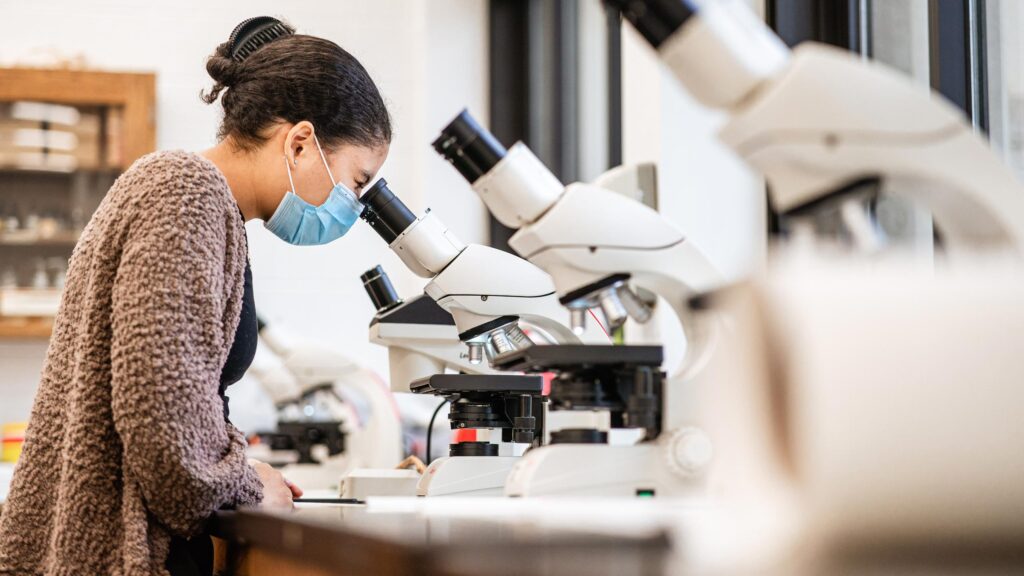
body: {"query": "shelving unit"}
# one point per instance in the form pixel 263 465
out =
pixel 65 136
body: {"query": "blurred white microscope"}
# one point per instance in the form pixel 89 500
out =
pixel 875 410
pixel 829 130
pixel 488 293
pixel 333 414
pixel 604 251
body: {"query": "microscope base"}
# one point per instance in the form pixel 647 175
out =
pixel 599 470
pixel 365 483
pixel 466 476
pixel 319 477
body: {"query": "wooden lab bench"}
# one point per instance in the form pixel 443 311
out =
pixel 351 540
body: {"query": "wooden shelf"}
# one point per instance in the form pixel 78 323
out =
pixel 25 328
pixel 58 239
pixel 134 93
pixel 66 174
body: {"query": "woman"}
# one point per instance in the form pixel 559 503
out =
pixel 129 449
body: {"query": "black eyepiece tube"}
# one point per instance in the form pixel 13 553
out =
pixel 469 147
pixel 655 20
pixel 379 288
pixel 385 212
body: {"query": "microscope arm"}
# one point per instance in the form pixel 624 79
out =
pixel 818 119
pixel 571 241
pixel 831 119
pixel 511 286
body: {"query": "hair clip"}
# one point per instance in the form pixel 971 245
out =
pixel 253 33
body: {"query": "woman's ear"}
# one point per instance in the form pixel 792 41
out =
pixel 298 141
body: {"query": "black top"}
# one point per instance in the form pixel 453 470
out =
pixel 194 557
pixel 243 349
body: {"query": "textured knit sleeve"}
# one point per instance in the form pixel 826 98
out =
pixel 174 311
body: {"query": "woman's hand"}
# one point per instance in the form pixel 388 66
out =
pixel 278 492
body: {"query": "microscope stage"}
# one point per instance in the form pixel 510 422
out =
pixel 547 358
pixel 452 383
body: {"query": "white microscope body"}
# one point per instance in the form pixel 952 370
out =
pixel 420 345
pixel 329 386
pixel 603 250
pixel 817 119
pixel 488 293
pixel 651 254
pixel 422 340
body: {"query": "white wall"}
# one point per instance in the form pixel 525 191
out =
pixel 429 59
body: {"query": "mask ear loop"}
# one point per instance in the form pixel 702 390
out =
pixel 324 158
pixel 289 169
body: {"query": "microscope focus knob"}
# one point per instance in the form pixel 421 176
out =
pixel 689 452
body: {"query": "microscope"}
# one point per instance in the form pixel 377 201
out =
pixel 487 293
pixel 419 335
pixel 505 414
pixel 831 132
pixel 604 251
pixel 319 422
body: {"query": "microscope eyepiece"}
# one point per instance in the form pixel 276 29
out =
pixel 379 288
pixel 469 147
pixel 385 212
pixel 656 20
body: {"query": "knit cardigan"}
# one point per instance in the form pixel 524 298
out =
pixel 127 444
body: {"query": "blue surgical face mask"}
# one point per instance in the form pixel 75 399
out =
pixel 298 222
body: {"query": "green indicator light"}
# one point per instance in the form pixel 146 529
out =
pixel 645 493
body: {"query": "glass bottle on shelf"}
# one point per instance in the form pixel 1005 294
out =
pixel 8 279
pixel 40 280
pixel 59 267
pixel 10 219
pixel 31 221
pixel 49 225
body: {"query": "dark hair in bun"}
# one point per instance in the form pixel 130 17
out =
pixel 265 73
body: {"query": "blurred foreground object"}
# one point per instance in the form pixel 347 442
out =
pixel 886 406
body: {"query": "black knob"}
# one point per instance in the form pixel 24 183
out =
pixel 643 405
pixel 524 425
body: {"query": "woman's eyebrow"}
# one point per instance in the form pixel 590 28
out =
pixel 366 176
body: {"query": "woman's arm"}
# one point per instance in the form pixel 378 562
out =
pixel 170 334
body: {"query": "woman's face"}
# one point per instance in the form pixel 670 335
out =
pixel 352 165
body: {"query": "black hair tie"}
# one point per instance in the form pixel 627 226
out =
pixel 253 33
